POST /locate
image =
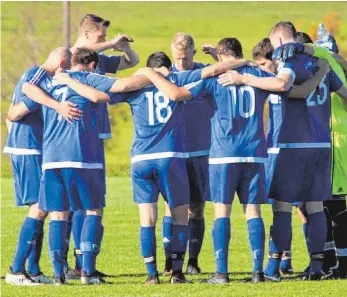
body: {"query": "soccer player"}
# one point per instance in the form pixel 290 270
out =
pixel 336 208
pixel 304 158
pixel 236 162
pixel 76 172
pixel 262 54
pixel 158 161
pixel 24 144
pixel 92 34
pixel 198 131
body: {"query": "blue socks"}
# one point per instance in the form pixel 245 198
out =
pixel 196 237
pixel 77 225
pixel 280 239
pixel 167 236
pixel 26 242
pixel 35 254
pixel 256 236
pixel 89 243
pixel 221 238
pixel 148 244
pixel 179 246
pixel 57 245
pixel 68 235
pixel 317 233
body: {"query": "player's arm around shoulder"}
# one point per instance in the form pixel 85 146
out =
pixel 83 90
pixel 303 90
pixel 168 88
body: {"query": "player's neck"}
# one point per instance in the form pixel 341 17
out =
pixel 78 68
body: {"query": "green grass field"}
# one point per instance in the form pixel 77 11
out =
pixel 120 256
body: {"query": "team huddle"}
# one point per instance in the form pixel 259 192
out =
pixel 198 136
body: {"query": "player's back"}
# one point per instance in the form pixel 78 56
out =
pixel 306 121
pixel 159 130
pixel 25 136
pixel 64 142
pixel 197 117
pixel 237 124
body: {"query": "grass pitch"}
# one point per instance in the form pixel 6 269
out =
pixel 120 256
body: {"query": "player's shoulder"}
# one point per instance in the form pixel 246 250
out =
pixel 33 74
pixel 252 70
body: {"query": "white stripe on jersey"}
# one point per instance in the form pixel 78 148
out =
pixel 273 150
pixel 305 145
pixel 155 156
pixel 192 85
pixel 21 151
pixel 105 135
pixel 226 160
pixel 71 164
pixel 37 76
pixel 199 153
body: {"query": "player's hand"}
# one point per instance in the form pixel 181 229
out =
pixel 121 43
pixel 143 71
pixel 252 64
pixel 287 51
pixel 209 49
pixel 231 77
pixel 62 77
pixel 69 111
pixel 324 65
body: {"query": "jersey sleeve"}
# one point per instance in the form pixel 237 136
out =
pixel 109 64
pixel 33 76
pixel 187 77
pixel 196 88
pixel 334 82
pixel 286 68
pixel 116 98
pixel 101 82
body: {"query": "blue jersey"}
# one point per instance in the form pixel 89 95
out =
pixel 275 120
pixel 197 117
pixel 107 64
pixel 237 124
pixel 73 145
pixel 306 123
pixel 25 136
pixel 159 130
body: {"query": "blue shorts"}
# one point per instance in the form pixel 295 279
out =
pixel 167 176
pixel 302 174
pixel 27 173
pixel 269 169
pixel 246 179
pixel 72 189
pixel 197 168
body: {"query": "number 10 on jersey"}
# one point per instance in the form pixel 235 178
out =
pixel 158 106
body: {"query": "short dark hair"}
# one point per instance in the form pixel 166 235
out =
pixel 263 49
pixel 158 59
pixel 84 56
pixel 92 22
pixel 230 47
pixel 287 27
pixel 302 37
